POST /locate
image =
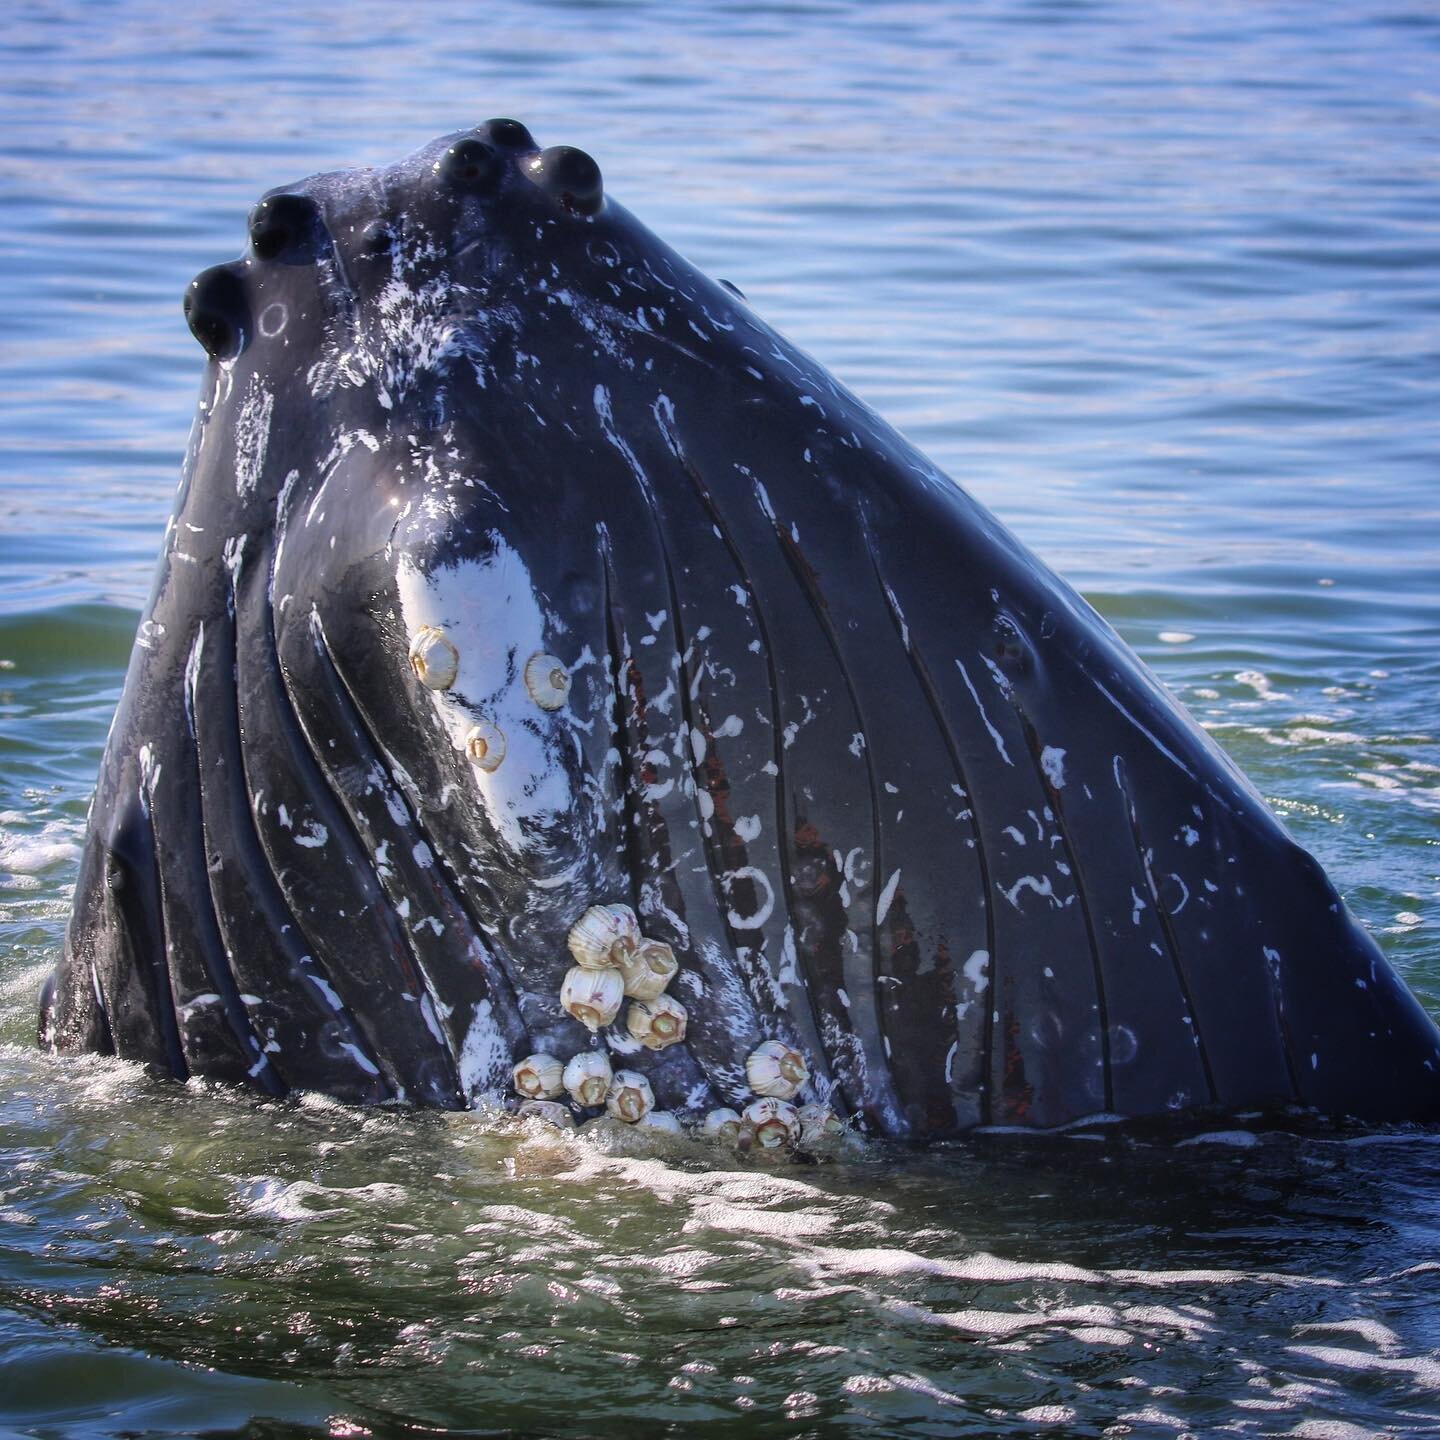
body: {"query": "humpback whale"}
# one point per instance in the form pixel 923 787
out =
pixel 557 686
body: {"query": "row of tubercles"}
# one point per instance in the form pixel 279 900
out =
pixel 288 228
pixel 478 163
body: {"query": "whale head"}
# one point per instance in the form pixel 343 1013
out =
pixel 520 572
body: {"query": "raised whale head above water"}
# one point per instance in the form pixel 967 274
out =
pixel 519 568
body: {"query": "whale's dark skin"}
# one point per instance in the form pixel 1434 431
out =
pixel 892 790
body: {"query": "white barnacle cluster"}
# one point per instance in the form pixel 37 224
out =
pixel 613 961
pixel 776 1073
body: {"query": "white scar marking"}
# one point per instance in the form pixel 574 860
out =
pixel 887 895
pixel 1052 762
pixel 767 906
pixel 1149 735
pixel 975 971
pixel 1028 882
pixel 252 436
pixel 994 733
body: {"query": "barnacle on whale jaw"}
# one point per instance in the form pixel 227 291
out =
pixel 630 1097
pixel 592 996
pixel 539 1077
pixel 434 658
pixel 587 1078
pixel 603 937
pixel 647 969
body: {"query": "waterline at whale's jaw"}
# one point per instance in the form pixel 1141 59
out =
pixel 519 569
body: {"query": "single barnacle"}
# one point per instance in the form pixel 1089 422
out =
pixel 603 935
pixel 723 1124
pixel 661 1120
pixel 547 680
pixel 776 1069
pixel 820 1127
pixel 647 969
pixel 434 657
pixel 539 1077
pixel 592 996
pixel 630 1098
pixel 485 745
pixel 656 1023
pixel 772 1122
pixel 587 1078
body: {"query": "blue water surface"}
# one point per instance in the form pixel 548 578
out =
pixel 1160 283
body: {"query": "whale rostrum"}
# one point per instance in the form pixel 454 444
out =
pixel 556 686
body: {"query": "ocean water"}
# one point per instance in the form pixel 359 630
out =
pixel 1161 285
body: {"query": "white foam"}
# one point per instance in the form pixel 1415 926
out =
pixel 1239 1139
pixel 1423 1369
pixel 57 843
pixel 1382 1337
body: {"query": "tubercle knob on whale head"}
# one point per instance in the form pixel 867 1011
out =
pixel 570 177
pixel 471 164
pixel 510 134
pixel 217 309
pixel 285 227
pixel 476 163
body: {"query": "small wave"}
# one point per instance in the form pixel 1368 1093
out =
pixel 26 858
pixel 67 638
pixel 1423 1369
pixel 1239 1139
pixel 270 1198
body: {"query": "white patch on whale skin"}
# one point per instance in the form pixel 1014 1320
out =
pixel 484 1058
pixel 789 972
pixel 359 1057
pixel 324 987
pixel 493 614
pixel 1052 762
pixel 233 555
pixel 408 331
pixel 887 897
pixel 252 436
pixel 976 970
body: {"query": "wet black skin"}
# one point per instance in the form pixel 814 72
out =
pixel 892 791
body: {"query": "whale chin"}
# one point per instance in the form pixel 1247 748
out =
pixel 557 688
